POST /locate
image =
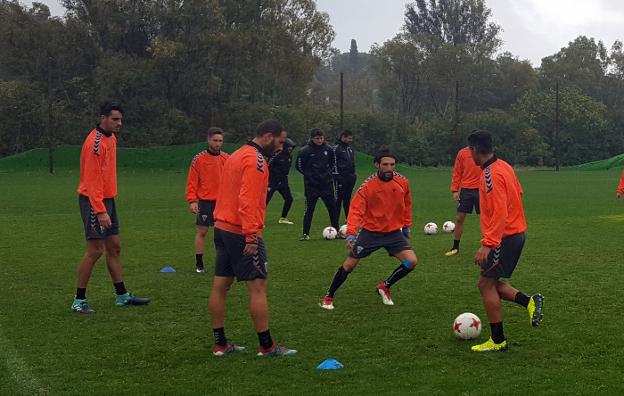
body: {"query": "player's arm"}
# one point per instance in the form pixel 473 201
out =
pixel 407 214
pixel 192 184
pixel 620 189
pixel 357 209
pixel 252 186
pixel 493 230
pixel 456 179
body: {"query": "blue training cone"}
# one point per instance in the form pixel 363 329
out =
pixel 167 269
pixel 330 364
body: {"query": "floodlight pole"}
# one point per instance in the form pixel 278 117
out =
pixel 341 100
pixel 557 127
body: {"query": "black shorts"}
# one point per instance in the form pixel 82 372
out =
pixel 469 198
pixel 231 261
pixel 502 260
pixel 368 242
pixel 92 227
pixel 205 214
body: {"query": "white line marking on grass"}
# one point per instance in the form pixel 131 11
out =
pixel 27 383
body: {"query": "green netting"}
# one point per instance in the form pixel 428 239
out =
pixel 609 163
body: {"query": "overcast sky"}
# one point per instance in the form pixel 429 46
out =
pixel 532 29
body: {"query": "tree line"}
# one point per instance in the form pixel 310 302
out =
pixel 180 66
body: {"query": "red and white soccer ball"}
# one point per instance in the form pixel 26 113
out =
pixel 343 231
pixel 431 228
pixel 329 233
pixel 467 326
pixel 448 226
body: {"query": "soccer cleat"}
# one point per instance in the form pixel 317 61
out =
pixel 81 306
pixel 328 303
pixel 490 346
pixel 451 252
pixel 130 299
pixel 536 304
pixel 384 292
pixel 220 350
pixel 276 350
pixel 200 270
pixel 304 237
pixel 284 220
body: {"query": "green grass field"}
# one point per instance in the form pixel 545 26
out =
pixel 573 256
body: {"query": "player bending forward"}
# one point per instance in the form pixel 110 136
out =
pixel 382 212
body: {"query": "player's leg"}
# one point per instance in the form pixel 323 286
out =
pixel 200 241
pixel 113 262
pixel 346 197
pixel 397 246
pixel 216 307
pixel 94 250
pixel 310 205
pixel 493 309
pixel 338 187
pixel 339 278
pixel 332 210
pixel 458 232
pixel 285 192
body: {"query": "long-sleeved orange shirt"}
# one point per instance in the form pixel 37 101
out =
pixel 500 197
pixel 98 169
pixel 620 188
pixel 381 206
pixel 204 176
pixel 241 201
pixel 466 173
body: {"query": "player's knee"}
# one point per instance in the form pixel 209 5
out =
pixel 201 232
pixel 459 220
pixel 95 252
pixel 113 250
pixel 349 265
pixel 485 284
pixel 409 263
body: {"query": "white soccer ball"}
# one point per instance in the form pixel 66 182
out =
pixel 431 228
pixel 329 233
pixel 343 231
pixel 448 226
pixel 467 326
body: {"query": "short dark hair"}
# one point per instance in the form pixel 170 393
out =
pixel 214 131
pixel 383 154
pixel 481 141
pixel 346 133
pixel 269 126
pixel 107 108
pixel 316 132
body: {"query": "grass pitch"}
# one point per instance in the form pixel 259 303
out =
pixel 572 255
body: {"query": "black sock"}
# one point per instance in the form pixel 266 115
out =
pixel 497 332
pixel 81 293
pixel 522 299
pixel 199 260
pixel 456 244
pixel 219 336
pixel 399 272
pixel 265 339
pixel 120 288
pixel 339 279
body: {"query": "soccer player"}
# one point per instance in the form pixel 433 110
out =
pixel 345 171
pixel 202 186
pixel 620 188
pixel 97 191
pixel 382 209
pixel 465 191
pixel 316 161
pixel 279 168
pixel 503 225
pixel 239 219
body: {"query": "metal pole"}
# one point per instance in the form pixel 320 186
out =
pixel 341 100
pixel 557 126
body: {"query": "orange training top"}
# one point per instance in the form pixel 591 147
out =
pixel 204 176
pixel 500 197
pixel 466 173
pixel 241 201
pixel 381 206
pixel 620 188
pixel 98 169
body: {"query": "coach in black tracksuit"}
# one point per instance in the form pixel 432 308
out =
pixel 317 162
pixel 345 171
pixel 279 168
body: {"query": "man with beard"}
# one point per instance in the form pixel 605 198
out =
pixel 202 186
pixel 279 168
pixel 382 210
pixel 239 215
pixel 316 162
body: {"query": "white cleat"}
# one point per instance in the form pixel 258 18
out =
pixel 328 303
pixel 384 292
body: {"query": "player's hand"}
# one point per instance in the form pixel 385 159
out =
pixel 104 220
pixel 482 255
pixel 618 195
pixel 194 207
pixel 349 241
pixel 456 196
pixel 250 249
